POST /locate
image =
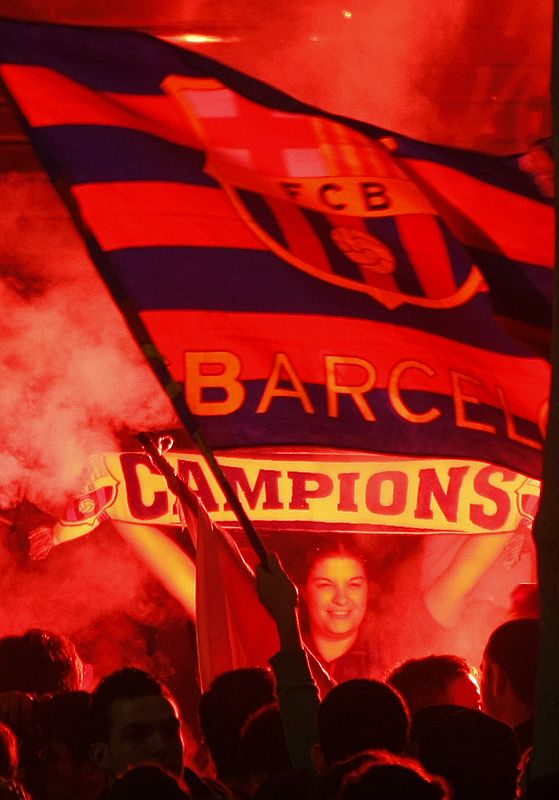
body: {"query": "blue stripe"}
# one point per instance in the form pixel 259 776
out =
pixel 341 265
pixel 385 229
pixel 240 280
pixel 260 210
pixel 286 423
pixel 122 61
pixel 95 154
pixel 519 290
pixel 103 59
pixel 500 171
pixel 460 257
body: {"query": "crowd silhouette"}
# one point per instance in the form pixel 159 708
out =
pixel 434 728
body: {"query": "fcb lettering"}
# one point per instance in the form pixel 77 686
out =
pixel 354 288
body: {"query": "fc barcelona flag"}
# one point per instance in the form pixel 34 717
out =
pixel 305 279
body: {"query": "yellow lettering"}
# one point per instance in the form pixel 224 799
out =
pixel 334 388
pixel 396 398
pixel 282 363
pixel 460 400
pixel 213 369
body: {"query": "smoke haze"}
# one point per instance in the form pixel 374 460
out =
pixel 467 74
pixel 464 73
pixel 70 375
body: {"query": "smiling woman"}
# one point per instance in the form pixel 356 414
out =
pixel 335 593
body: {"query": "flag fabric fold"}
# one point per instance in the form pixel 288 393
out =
pixel 233 629
pixel 304 279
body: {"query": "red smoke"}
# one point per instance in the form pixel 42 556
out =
pixel 466 74
pixel 71 379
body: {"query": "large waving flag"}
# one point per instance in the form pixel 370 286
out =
pixel 303 279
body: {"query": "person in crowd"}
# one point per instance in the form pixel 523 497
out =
pixel 508 676
pixel 386 776
pixel 475 753
pixel 135 720
pixel 263 750
pixel 39 662
pixel 355 715
pixel 224 708
pixel 294 667
pixel 436 680
pixel 35 667
pixel 148 782
pixel 359 715
pixel 61 768
pixel 334 593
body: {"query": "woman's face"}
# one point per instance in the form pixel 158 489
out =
pixel 336 595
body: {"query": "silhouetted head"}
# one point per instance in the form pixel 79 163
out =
pixel 436 680
pixel 65 735
pixel 384 775
pixel 40 662
pixel 224 709
pixel 135 721
pixel 476 754
pixel 263 749
pixel 361 715
pixel 509 666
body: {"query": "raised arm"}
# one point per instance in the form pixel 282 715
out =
pixel 297 692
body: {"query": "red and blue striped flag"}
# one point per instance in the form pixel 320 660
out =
pixel 305 279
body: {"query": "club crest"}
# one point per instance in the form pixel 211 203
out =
pixel 327 199
pixel 91 506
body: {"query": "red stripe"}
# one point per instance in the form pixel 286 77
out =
pixel 39 90
pixel 479 214
pixel 487 217
pixel 300 235
pixel 424 243
pixel 305 339
pixel 146 214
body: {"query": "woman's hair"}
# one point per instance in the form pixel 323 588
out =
pixel 329 548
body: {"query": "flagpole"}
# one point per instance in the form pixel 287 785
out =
pixel 178 487
pixel 158 363
pixel 545 757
